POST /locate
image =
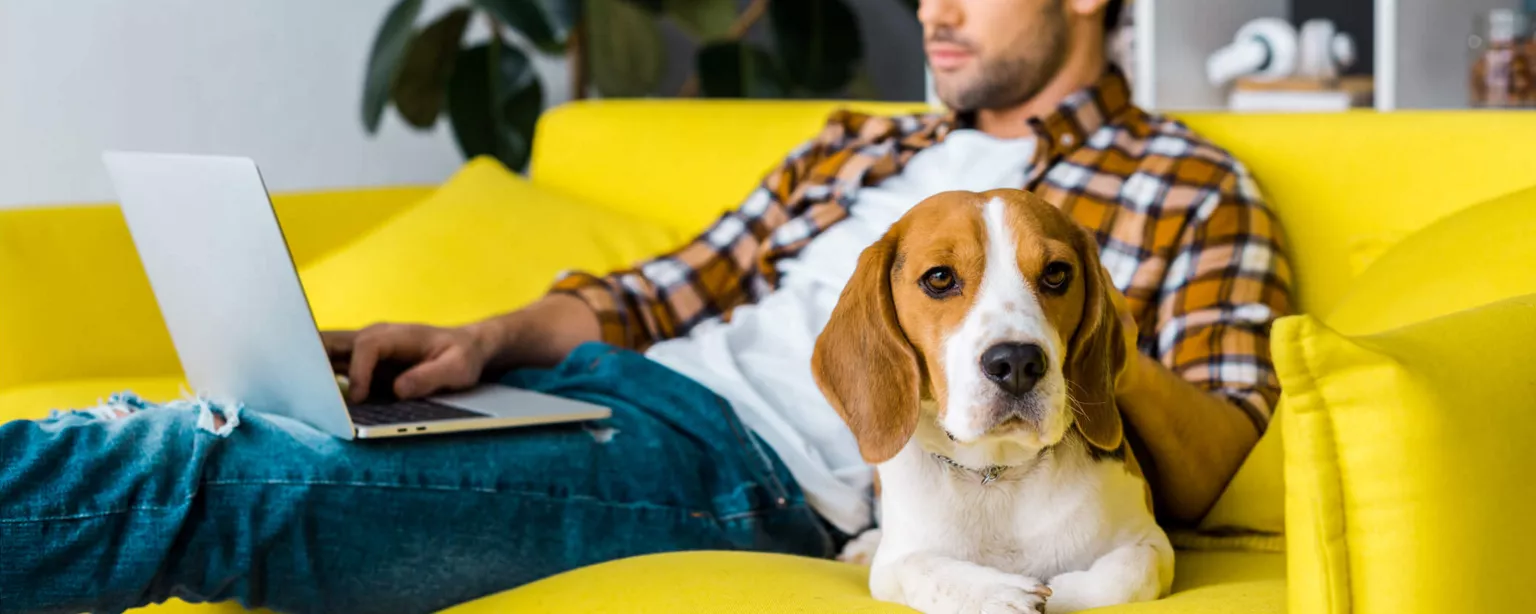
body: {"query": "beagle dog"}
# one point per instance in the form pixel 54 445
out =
pixel 973 355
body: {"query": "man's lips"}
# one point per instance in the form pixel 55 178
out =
pixel 947 56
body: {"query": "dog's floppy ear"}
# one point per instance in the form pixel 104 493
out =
pixel 863 362
pixel 1096 353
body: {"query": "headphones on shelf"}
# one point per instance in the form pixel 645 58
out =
pixel 1270 48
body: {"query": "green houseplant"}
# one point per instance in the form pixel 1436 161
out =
pixel 492 97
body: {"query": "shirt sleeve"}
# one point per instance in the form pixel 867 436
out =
pixel 1228 281
pixel 666 296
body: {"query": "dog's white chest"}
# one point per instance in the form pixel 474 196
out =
pixel 1049 520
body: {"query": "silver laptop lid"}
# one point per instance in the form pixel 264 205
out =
pixel 226 284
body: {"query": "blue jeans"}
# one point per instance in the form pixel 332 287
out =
pixel 102 514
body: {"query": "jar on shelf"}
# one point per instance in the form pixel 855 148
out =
pixel 1502 57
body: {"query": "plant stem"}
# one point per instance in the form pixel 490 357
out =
pixel 744 22
pixel 576 57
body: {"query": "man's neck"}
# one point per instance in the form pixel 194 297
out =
pixel 1083 68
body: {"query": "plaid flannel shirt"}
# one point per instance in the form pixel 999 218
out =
pixel 1183 230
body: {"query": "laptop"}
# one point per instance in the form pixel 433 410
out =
pixel 230 294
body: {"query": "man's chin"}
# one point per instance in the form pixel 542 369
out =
pixel 950 91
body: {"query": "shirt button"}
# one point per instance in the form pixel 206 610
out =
pixel 1067 140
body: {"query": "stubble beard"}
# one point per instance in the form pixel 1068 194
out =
pixel 1010 80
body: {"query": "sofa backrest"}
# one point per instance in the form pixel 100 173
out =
pixel 1345 185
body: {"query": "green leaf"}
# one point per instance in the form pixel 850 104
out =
pixel 704 20
pixel 737 70
pixel 418 90
pixel 545 23
pixel 384 61
pixel 624 48
pixel 818 41
pixel 494 102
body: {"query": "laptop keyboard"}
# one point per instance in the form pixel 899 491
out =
pixel 397 412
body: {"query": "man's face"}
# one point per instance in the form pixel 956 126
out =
pixel 992 54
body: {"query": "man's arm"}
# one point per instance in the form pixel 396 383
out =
pixel 633 308
pixel 1201 399
pixel 1201 438
pixel 539 335
pixel 722 268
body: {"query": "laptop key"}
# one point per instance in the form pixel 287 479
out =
pixel 398 412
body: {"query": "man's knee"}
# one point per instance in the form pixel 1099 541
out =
pixel 209 416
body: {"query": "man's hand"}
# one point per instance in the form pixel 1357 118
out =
pixel 436 359
pixel 442 359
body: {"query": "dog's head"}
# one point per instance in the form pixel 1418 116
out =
pixel 987 314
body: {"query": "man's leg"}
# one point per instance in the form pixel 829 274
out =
pixel 109 514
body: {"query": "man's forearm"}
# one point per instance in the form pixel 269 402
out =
pixel 539 335
pixel 1197 440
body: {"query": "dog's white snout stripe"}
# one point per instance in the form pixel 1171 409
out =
pixel 1006 310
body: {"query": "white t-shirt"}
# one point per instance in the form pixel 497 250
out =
pixel 760 361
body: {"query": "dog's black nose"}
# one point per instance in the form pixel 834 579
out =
pixel 1014 367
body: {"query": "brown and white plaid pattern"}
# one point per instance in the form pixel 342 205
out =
pixel 1184 232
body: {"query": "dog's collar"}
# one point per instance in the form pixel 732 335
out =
pixel 988 474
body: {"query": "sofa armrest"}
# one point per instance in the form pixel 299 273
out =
pixel 74 300
pixel 1407 454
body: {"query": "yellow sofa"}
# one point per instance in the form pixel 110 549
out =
pixel 77 320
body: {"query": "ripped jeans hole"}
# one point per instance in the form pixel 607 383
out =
pixel 216 418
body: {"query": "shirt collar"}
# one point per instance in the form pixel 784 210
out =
pixel 1077 117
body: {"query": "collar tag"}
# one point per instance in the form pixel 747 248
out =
pixel 988 475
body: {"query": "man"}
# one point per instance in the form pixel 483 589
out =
pixel 719 437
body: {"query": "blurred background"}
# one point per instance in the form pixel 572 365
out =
pixel 334 93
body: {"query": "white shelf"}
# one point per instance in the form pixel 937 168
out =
pixel 1422 60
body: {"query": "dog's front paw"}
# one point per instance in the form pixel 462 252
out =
pixel 1020 595
pixel 1000 593
pixel 861 550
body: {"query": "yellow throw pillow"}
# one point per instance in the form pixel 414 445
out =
pixel 1408 454
pixel 1473 257
pixel 486 242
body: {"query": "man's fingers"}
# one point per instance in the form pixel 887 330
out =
pixel 338 343
pixel 445 371
pixel 365 355
pixel 422 380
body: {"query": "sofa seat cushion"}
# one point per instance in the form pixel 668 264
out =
pixel 1407 454
pixel 724 582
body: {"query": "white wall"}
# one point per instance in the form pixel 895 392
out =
pixel 276 80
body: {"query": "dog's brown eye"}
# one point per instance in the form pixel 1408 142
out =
pixel 1057 276
pixel 939 282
